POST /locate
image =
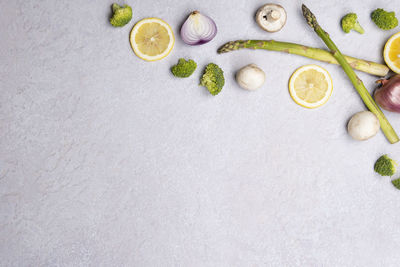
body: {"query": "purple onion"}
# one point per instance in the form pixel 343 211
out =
pixel 198 29
pixel 388 95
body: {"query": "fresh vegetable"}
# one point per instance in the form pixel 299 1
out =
pixel 350 22
pixel 385 166
pixel 363 125
pixel 152 39
pixel 271 17
pixel 384 19
pixel 121 15
pixel 198 29
pixel 388 95
pixel 305 51
pixel 396 183
pixel 250 77
pixel 310 86
pixel 184 68
pixel 357 83
pixel 213 78
pixel 391 52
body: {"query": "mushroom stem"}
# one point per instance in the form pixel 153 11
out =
pixel 273 15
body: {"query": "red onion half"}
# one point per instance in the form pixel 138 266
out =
pixel 198 29
pixel 388 95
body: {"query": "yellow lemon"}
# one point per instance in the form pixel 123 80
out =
pixel 391 52
pixel 310 86
pixel 152 39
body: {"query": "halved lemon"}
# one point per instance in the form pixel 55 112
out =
pixel 152 39
pixel 391 52
pixel 310 86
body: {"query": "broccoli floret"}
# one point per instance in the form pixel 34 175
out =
pixel 383 19
pixel 121 15
pixel 213 78
pixel 184 68
pixel 396 183
pixel 385 166
pixel 350 22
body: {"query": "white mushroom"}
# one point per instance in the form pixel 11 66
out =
pixel 250 77
pixel 271 17
pixel 363 125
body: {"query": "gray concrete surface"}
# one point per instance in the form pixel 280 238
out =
pixel 107 160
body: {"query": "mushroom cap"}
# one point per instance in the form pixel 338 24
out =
pixel 250 77
pixel 271 17
pixel 363 125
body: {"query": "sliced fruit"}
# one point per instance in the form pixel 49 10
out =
pixel 310 86
pixel 152 39
pixel 391 52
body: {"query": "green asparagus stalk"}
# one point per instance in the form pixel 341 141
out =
pixel 305 51
pixel 357 83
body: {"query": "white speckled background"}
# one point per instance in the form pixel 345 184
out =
pixel 107 160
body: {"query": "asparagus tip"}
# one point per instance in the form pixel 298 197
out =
pixel 309 16
pixel 223 48
pixel 230 46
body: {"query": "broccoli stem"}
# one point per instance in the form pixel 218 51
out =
pixel 358 28
pixel 305 51
pixel 357 83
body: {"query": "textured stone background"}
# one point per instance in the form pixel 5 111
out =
pixel 107 160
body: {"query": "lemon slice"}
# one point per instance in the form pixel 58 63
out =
pixel 310 86
pixel 391 52
pixel 152 39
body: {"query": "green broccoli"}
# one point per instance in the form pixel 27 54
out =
pixel 396 183
pixel 383 19
pixel 213 78
pixel 350 22
pixel 184 68
pixel 385 166
pixel 121 15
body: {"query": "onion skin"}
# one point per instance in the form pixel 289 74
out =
pixel 388 95
pixel 198 29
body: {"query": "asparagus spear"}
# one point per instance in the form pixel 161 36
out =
pixel 305 51
pixel 357 83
